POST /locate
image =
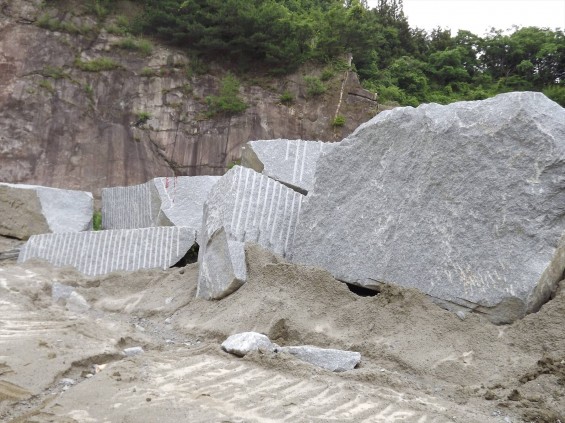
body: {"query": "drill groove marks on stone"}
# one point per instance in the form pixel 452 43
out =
pixel 26 210
pixel 291 162
pixel 159 202
pixel 465 202
pixel 136 206
pixel 244 206
pixel 101 252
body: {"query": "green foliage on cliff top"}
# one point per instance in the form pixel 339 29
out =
pixel 404 65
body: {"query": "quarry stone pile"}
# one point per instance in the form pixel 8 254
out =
pixel 100 252
pixel 291 162
pixel 244 206
pixel 464 202
pixel 26 210
pixel 163 201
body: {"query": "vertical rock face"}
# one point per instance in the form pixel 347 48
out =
pixel 26 210
pixel 98 253
pixel 244 206
pixel 65 127
pixel 465 202
pixel 160 202
pixel 291 162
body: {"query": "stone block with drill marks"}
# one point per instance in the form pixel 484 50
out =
pixel 291 162
pixel 244 206
pixel 163 201
pixel 135 206
pixel 101 252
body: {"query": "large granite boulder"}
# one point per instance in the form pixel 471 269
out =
pixel 100 252
pixel 164 201
pixel 465 202
pixel 291 162
pixel 244 206
pixel 26 210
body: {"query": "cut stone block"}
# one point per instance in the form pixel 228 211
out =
pixel 136 206
pixel 27 210
pixel 98 253
pixel 171 201
pixel 243 343
pixel 291 162
pixel 244 206
pixel 326 358
pixel 465 202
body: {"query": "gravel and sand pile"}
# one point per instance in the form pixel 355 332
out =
pixel 60 362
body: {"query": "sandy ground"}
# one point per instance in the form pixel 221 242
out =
pixel 62 361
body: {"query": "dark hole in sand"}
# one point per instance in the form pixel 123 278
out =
pixel 361 290
pixel 191 256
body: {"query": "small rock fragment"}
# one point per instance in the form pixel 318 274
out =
pixel 329 359
pixel 130 352
pixel 77 303
pixel 60 291
pixel 243 343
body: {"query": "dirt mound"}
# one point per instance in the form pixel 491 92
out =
pixel 419 362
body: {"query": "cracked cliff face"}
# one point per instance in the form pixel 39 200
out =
pixel 65 127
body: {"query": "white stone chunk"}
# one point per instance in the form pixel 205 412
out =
pixel 130 352
pixel 326 358
pixel 243 343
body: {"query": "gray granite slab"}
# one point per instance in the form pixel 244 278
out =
pixel 101 252
pixel 26 210
pixel 162 201
pixel 465 202
pixel 291 162
pixel 244 206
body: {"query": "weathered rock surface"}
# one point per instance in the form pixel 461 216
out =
pixel 65 127
pixel 98 253
pixel 465 202
pixel 160 202
pixel 243 343
pixel 30 209
pixel 291 162
pixel 244 206
pixel 326 358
